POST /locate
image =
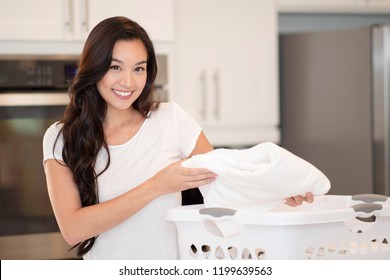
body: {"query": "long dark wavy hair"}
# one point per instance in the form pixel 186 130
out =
pixel 82 129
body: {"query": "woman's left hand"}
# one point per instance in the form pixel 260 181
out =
pixel 299 199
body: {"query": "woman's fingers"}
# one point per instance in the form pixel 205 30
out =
pixel 299 199
pixel 309 197
pixel 294 201
pixel 175 177
pixel 194 175
pixel 197 177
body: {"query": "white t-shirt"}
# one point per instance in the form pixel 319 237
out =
pixel 168 135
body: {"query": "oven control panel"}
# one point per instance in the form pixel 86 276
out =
pixel 29 73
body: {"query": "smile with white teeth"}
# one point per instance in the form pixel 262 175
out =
pixel 122 93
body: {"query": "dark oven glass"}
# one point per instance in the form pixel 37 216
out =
pixel 24 203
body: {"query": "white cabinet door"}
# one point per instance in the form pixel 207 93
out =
pixel 226 68
pixel 155 16
pixel 34 20
pixel 74 19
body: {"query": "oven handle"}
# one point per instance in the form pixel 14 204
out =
pixel 33 99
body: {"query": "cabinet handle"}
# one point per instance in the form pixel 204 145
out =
pixel 84 13
pixel 69 21
pixel 203 84
pixel 216 94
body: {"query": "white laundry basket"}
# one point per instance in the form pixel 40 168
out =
pixel 332 227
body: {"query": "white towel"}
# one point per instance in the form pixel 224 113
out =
pixel 260 177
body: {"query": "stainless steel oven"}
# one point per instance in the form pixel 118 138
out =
pixel 33 95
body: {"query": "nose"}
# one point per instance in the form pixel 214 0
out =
pixel 127 79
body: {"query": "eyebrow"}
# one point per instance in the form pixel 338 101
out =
pixel 120 61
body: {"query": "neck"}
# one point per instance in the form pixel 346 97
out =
pixel 120 127
pixel 120 118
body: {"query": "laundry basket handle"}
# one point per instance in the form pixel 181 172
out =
pixel 369 197
pixel 217 211
pixel 367 207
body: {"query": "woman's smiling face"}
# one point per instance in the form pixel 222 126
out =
pixel 125 80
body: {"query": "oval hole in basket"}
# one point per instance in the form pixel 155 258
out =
pixel 206 249
pixel 342 252
pixel 233 252
pixel 219 254
pixel 363 248
pixel 374 245
pixel 384 247
pixel 309 252
pixel 246 254
pixel 321 253
pixel 331 250
pixel 353 248
pixel 193 252
pixel 260 254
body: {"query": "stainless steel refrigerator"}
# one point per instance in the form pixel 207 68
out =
pixel 335 101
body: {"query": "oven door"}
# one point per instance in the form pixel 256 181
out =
pixel 28 229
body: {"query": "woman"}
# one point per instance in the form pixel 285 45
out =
pixel 113 163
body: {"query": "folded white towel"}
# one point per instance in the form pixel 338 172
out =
pixel 260 177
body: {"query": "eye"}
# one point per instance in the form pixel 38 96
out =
pixel 115 67
pixel 139 69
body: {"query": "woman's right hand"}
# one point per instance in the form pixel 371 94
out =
pixel 175 178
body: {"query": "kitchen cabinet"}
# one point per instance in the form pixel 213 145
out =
pixel 33 20
pixel 335 6
pixel 225 68
pixel 74 19
pixel 156 16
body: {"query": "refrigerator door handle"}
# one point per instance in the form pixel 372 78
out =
pixel 381 107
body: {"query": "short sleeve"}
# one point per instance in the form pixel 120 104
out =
pixel 188 130
pixel 49 139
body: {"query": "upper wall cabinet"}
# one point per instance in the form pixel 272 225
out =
pixel 225 69
pixel 34 20
pixel 74 19
pixel 335 6
pixel 156 16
